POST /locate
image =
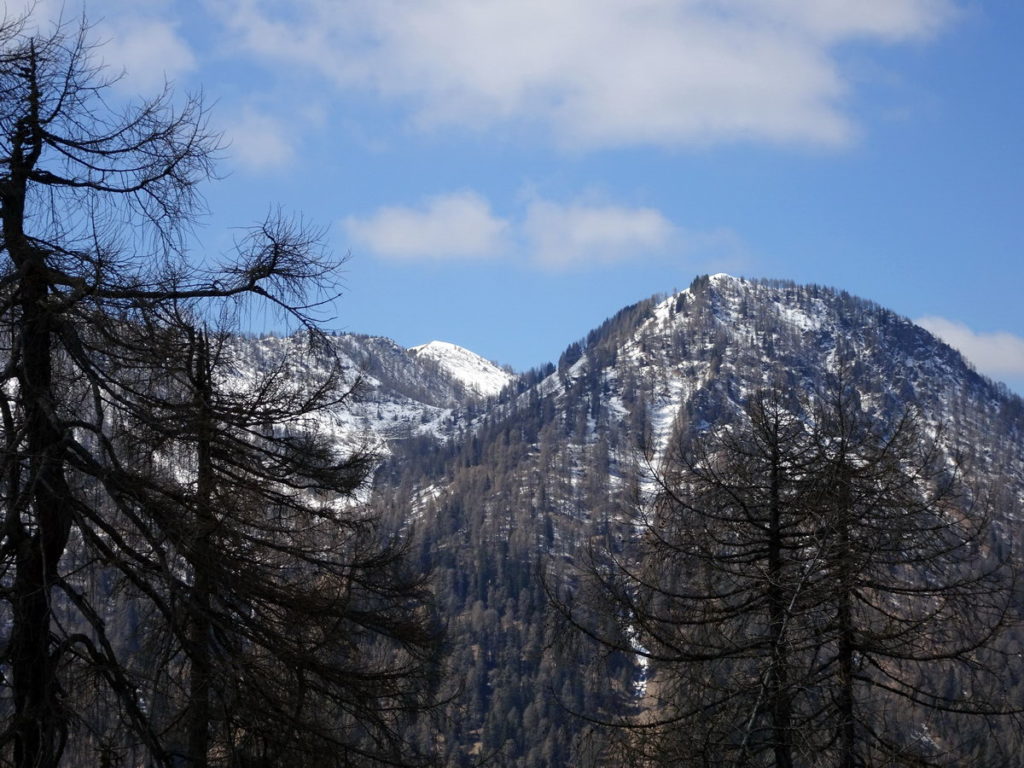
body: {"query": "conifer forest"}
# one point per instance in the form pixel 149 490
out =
pixel 749 523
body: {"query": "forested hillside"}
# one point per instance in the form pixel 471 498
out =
pixel 560 465
pixel 750 523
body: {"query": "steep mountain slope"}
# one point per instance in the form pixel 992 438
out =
pixel 547 470
pixel 397 393
pixel 504 495
pixel 478 375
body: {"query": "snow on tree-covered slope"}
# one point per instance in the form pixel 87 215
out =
pixel 495 490
pixel 397 394
pixel 477 374
pixel 669 365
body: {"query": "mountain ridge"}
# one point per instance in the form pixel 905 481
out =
pixel 548 469
pixel 476 373
pixel 502 496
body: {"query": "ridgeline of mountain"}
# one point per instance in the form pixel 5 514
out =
pixel 432 391
pixel 479 376
pixel 502 494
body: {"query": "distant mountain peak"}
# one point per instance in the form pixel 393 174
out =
pixel 472 371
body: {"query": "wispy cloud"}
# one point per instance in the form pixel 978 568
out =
pixel 551 235
pixel 149 52
pixel 594 72
pixel 258 141
pixel 138 43
pixel 579 234
pixel 452 226
pixel 999 355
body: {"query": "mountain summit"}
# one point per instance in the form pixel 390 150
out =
pixel 508 483
pixel 533 481
pixel 477 374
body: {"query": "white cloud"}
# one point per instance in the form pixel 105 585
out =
pixel 595 72
pixel 258 142
pixel 999 355
pixel 561 236
pixel 550 235
pixel 453 226
pixel 149 51
pixel 836 20
pixel 134 39
pixel 40 13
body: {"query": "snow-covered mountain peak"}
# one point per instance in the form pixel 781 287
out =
pixel 472 371
pixel 722 277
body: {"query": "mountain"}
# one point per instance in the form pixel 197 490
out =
pixel 517 490
pixel 504 482
pixel 430 391
pixel 478 375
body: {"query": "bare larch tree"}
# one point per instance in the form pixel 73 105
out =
pixel 96 209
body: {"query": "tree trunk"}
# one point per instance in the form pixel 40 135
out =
pixel 199 682
pixel 202 587
pixel 844 627
pixel 43 520
pixel 778 680
pixel 39 518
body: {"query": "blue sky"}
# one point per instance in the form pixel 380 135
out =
pixel 505 174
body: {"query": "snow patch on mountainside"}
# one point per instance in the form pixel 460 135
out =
pixel 395 395
pixel 472 371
